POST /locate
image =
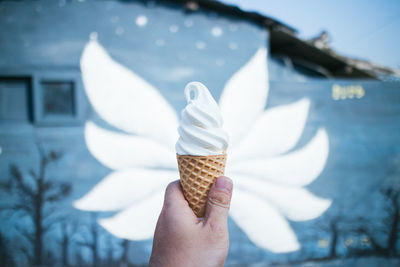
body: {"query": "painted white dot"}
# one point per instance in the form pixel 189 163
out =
pixel 141 20
pixel 216 31
pixel 188 23
pixel 114 19
pixel 119 30
pixel 93 36
pixel 233 46
pixel 220 62
pixel 174 28
pixel 200 45
pixel 160 42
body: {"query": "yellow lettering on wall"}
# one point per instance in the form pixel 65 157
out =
pixel 347 92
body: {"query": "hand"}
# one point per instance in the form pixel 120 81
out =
pixel 182 239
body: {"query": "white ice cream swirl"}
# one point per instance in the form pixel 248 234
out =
pixel 200 128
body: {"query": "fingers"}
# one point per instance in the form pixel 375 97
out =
pixel 175 203
pixel 174 195
pixel 219 199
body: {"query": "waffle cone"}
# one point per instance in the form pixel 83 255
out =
pixel 197 174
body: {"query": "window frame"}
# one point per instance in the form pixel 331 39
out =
pixel 36 77
pixel 29 102
pixel 38 101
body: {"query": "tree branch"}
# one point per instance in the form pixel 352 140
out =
pixel 17 176
pixel 59 193
pixel 25 233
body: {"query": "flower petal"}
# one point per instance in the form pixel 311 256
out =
pixel 139 221
pixel 274 132
pixel 121 151
pixel 295 203
pixel 298 168
pixel 124 99
pixel 122 188
pixel 262 224
pixel 245 95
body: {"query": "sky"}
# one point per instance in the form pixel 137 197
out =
pixel 365 29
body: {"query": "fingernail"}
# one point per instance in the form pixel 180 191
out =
pixel 224 183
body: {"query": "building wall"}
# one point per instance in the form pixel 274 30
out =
pixel 41 43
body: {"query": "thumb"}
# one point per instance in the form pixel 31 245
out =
pixel 219 199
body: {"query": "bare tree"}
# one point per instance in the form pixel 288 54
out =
pixel 65 240
pixel 67 229
pixel 124 256
pixel 33 197
pixel 79 259
pixel 393 220
pixel 388 226
pixel 91 239
pixel 330 228
pixel 391 192
pixel 391 227
pixel 6 257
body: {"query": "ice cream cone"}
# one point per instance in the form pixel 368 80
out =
pixel 197 174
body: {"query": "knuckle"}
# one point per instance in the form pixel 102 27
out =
pixel 170 187
pixel 168 193
pixel 219 198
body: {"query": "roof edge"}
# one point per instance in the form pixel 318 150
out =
pixel 260 19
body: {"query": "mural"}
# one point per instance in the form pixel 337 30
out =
pixel 87 134
pixel 144 162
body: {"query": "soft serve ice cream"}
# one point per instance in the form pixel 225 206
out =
pixel 200 128
pixel 201 146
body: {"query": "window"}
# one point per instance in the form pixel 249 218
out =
pixel 58 99
pixel 15 100
pixel 44 98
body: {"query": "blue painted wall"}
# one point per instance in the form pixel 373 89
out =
pixel 168 47
pixel 43 40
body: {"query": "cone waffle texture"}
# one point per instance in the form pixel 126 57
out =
pixel 197 174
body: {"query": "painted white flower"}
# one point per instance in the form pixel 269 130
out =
pixel 269 177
